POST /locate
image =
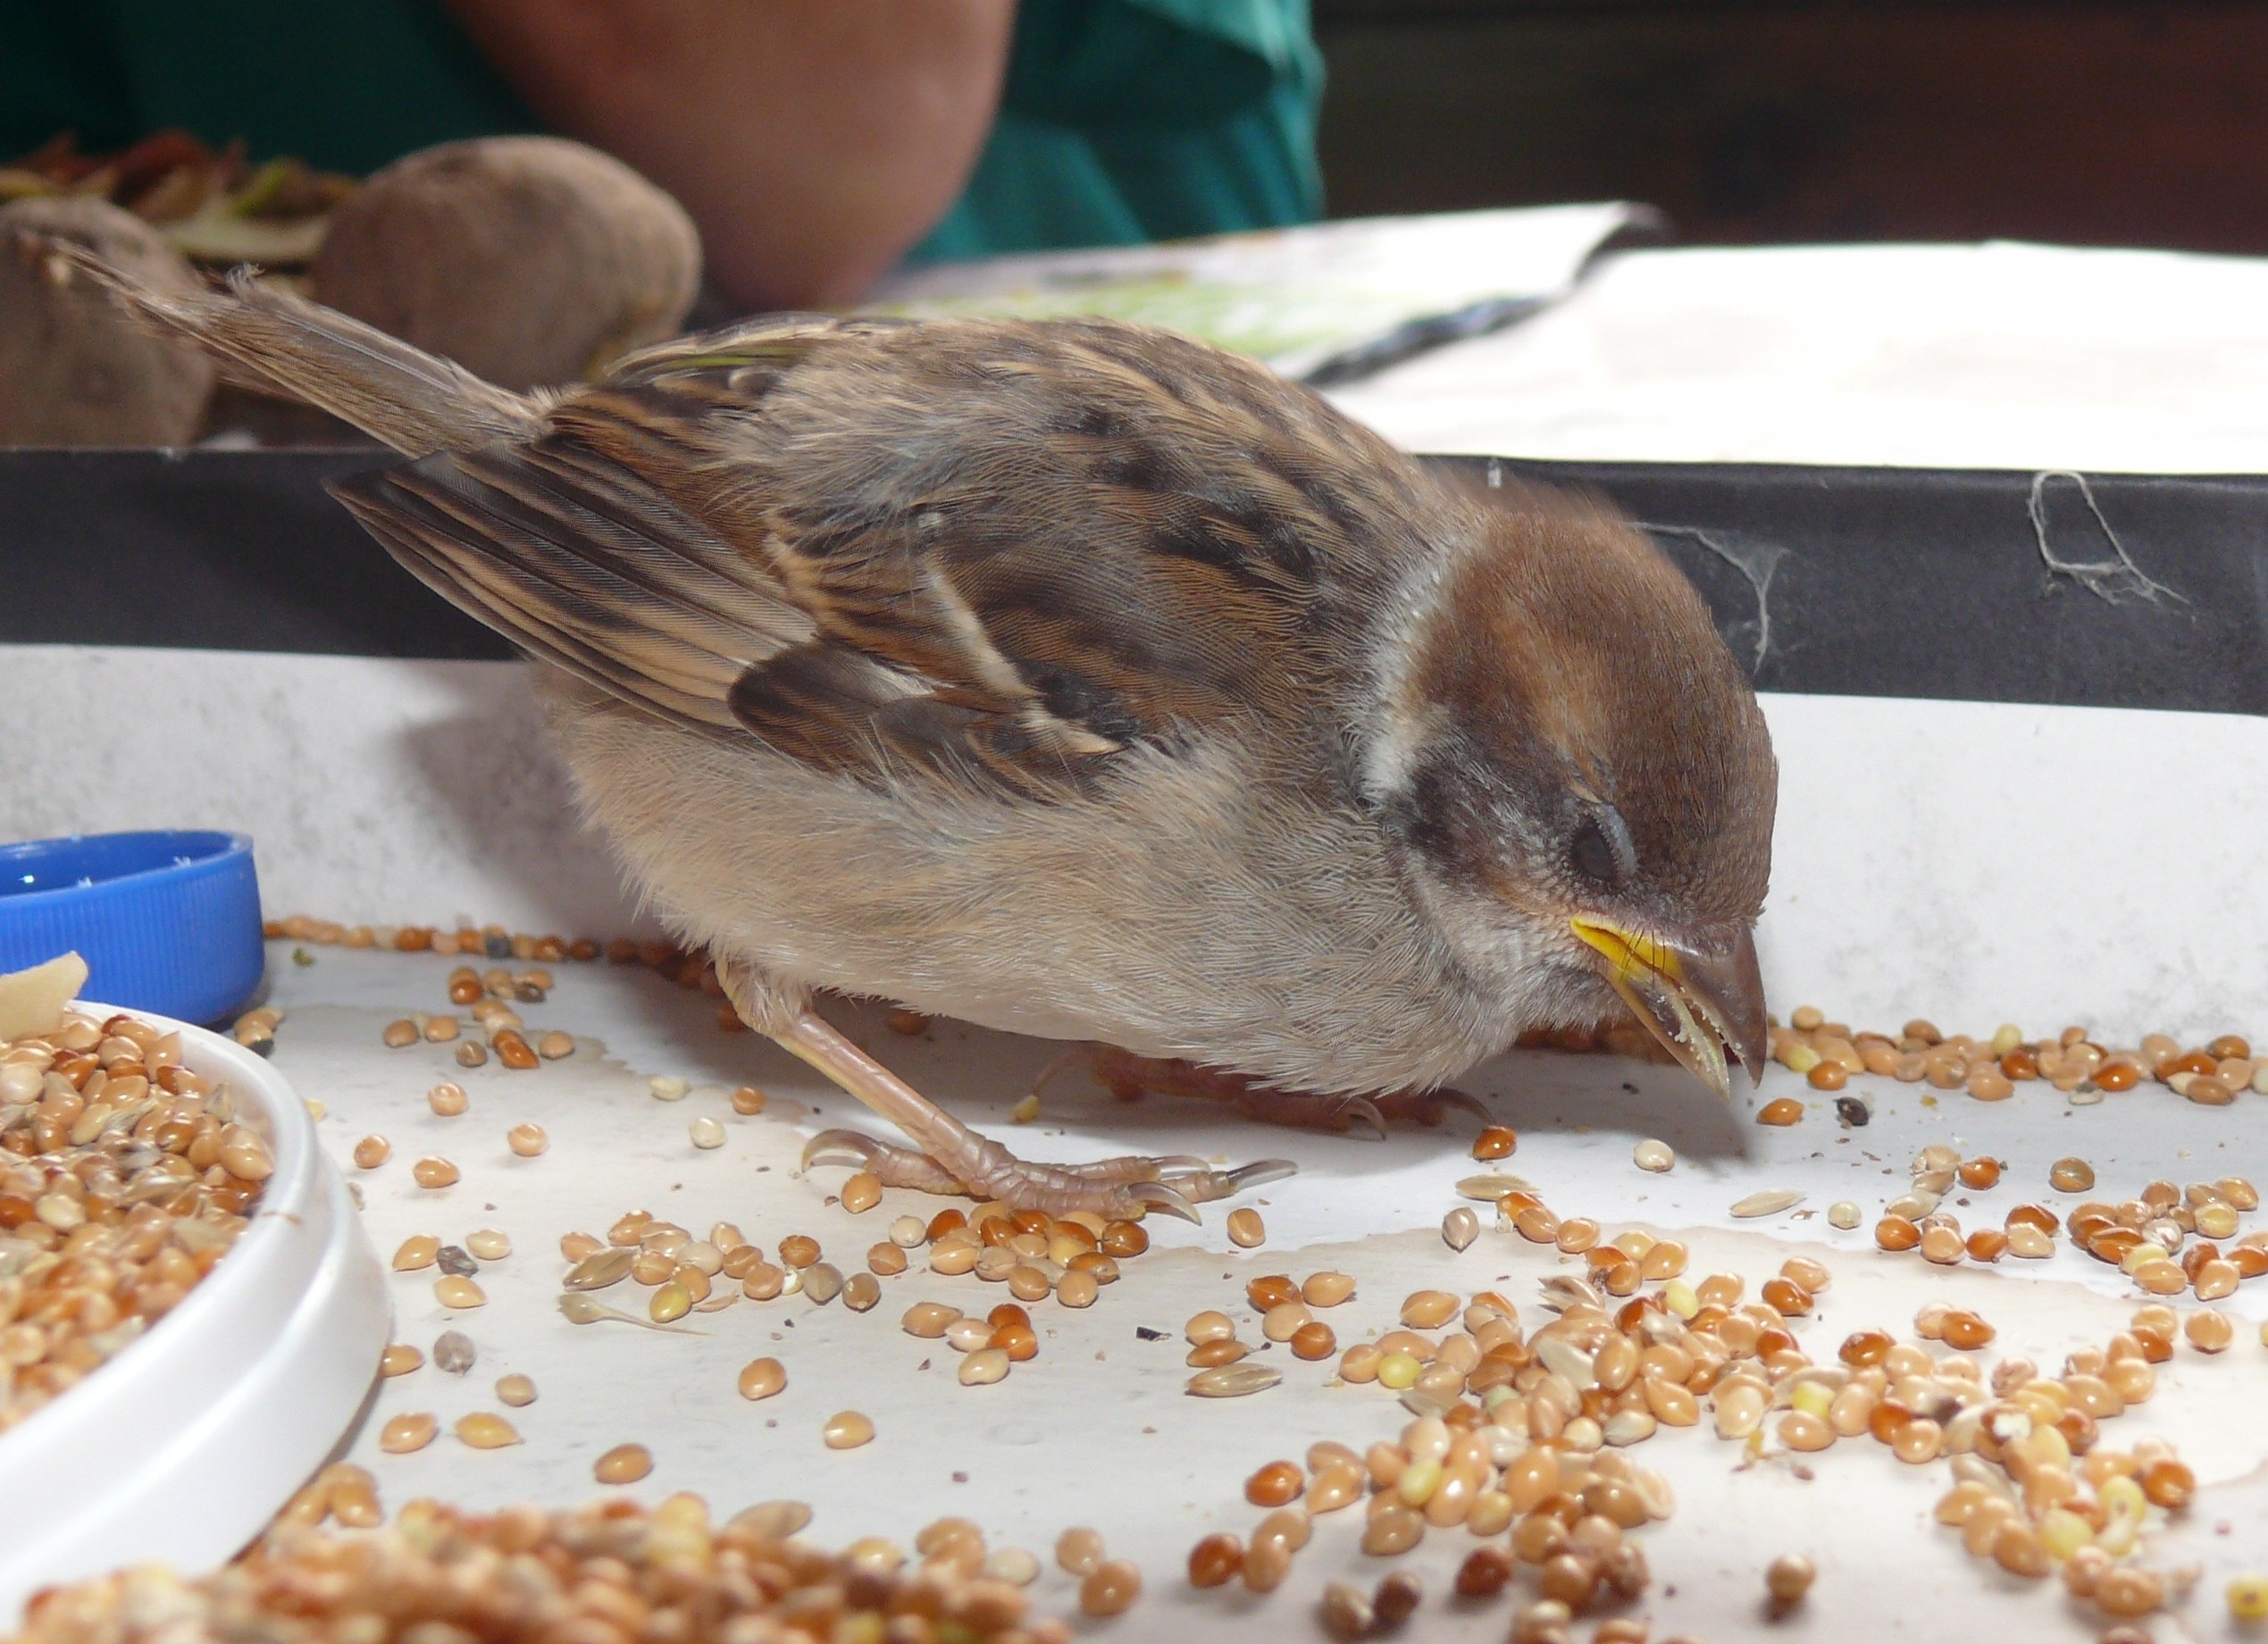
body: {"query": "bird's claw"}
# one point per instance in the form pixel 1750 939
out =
pixel 1163 1199
pixel 1126 1186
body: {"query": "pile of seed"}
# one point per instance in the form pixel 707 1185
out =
pixel 1034 1257
pixel 692 970
pixel 487 998
pixel 1828 1053
pixel 1523 1435
pixel 2167 1239
pixel 123 1179
pixel 611 1570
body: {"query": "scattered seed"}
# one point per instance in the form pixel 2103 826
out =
pixel 447 1100
pixel 399 1033
pixel 456 1261
pixel 489 1244
pixel 419 1250
pixel 984 1367
pixel 1770 1202
pixel 526 1140
pixel 1495 1142
pixel 404 1433
pixel 1078 1550
pixel 371 1152
pixel 625 1463
pixel 667 1087
pixel 1789 1578
pixel 1654 1155
pixel 485 1430
pixel 516 1390
pixel 453 1352
pixel 453 1291
pixel 1233 1380
pixel 706 1132
pixel 861 1191
pixel 399 1359
pixel 1216 1560
pixel 1246 1230
pixel 1459 1228
pixel 1110 1588
pixel 2070 1175
pixel 1783 1109
pixel 434 1173
pixel 748 1100
pixel 762 1377
pixel 847 1429
pixel 1489 1189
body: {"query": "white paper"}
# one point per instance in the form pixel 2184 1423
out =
pixel 1995 355
pixel 1290 296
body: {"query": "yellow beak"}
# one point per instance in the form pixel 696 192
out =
pixel 1702 999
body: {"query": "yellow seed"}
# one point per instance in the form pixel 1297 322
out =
pixel 434 1172
pixel 2248 1598
pixel 526 1140
pixel 419 1250
pixel 1398 1372
pixel 1246 1230
pixel 1654 1155
pixel 371 1152
pixel 625 1463
pixel 847 1429
pixel 489 1244
pixel 485 1430
pixel 399 1359
pixel 671 1301
pixel 404 1433
pixel 447 1100
pixel 861 1191
pixel 762 1377
pixel 516 1390
pixel 1077 1290
pixel 451 1291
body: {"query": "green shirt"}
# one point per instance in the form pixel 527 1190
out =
pixel 1121 121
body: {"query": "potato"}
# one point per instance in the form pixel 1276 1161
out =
pixel 74 368
pixel 528 260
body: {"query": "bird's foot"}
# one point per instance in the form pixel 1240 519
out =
pixel 1126 1186
pixel 1126 1074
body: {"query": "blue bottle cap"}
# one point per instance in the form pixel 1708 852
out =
pixel 166 921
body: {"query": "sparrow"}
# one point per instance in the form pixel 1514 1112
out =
pixel 1078 679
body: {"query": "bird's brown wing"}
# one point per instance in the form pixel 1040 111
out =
pixel 1001 552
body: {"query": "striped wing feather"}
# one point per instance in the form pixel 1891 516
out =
pixel 1000 553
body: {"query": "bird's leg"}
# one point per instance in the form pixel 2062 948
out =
pixel 948 1156
pixel 1126 1074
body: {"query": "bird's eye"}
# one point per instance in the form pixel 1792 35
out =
pixel 1593 855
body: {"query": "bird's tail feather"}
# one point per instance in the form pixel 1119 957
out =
pixel 270 339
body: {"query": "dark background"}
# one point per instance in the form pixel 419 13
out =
pixel 2088 123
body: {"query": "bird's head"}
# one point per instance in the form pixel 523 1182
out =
pixel 1578 781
